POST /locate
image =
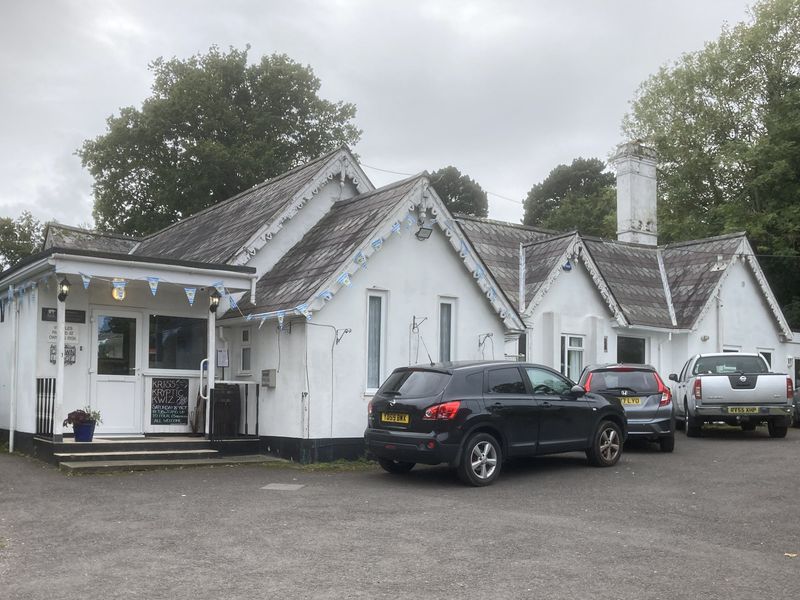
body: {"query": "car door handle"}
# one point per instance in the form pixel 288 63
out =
pixel 496 405
pixel 546 404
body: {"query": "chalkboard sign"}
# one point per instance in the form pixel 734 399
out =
pixel 169 402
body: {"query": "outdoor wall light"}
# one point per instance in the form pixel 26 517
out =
pixel 213 300
pixel 63 289
pixel 425 229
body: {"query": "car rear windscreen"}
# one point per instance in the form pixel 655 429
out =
pixel 724 365
pixel 640 382
pixel 414 384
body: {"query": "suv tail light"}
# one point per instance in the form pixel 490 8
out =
pixel 789 388
pixel 369 409
pixel 698 389
pixel 666 394
pixel 588 385
pixel 442 412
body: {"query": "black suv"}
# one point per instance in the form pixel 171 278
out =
pixel 473 415
pixel 643 395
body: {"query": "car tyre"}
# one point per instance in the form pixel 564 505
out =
pixel 481 460
pixel 606 447
pixel 777 431
pixel 692 426
pixel 395 466
pixel 666 444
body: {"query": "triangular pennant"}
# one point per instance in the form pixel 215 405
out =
pixel 360 259
pixel 85 279
pixel 190 293
pixel 326 295
pixel 232 302
pixel 377 243
pixel 220 286
pixel 344 279
pixel 396 227
pixel 153 282
pixel 280 319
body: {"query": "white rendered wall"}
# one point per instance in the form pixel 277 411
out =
pixel 6 361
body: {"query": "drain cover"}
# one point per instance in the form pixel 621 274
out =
pixel 283 487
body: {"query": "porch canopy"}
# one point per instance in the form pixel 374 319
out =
pixel 118 281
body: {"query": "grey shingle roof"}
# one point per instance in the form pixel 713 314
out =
pixel 64 236
pixel 540 259
pixel 632 274
pixel 691 273
pixel 218 232
pixel 497 244
pixel 321 252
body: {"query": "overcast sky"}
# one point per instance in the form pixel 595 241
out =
pixel 504 91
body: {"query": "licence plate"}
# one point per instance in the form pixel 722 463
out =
pixel 630 401
pixel 400 418
pixel 743 410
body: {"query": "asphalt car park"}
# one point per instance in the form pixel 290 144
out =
pixel 716 518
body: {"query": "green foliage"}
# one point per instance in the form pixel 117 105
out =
pixel 579 196
pixel 83 415
pixel 213 126
pixel 725 122
pixel 19 238
pixel 461 193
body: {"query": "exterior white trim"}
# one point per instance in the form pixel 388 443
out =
pixel 665 282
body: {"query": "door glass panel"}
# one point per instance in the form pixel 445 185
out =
pixel 506 381
pixel 547 382
pixel 116 345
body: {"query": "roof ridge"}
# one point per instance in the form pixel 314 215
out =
pixel 385 188
pixel 716 238
pixel 552 238
pixel 462 216
pixel 250 189
pixel 110 234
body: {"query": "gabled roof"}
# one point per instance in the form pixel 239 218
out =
pixel 541 259
pixel 57 235
pixel 497 243
pixel 219 232
pixel 311 262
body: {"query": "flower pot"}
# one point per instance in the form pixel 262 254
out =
pixel 84 432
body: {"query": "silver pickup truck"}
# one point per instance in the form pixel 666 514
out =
pixel 735 388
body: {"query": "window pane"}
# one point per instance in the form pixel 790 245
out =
pixel 729 364
pixel 177 342
pixel 374 342
pixel 642 382
pixel 445 323
pixel 116 346
pixel 546 379
pixel 576 342
pixel 630 350
pixel 767 357
pixel 412 384
pixel 574 364
pixel 245 359
pixel 245 336
pixel 506 381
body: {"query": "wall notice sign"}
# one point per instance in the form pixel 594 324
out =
pixel 70 315
pixel 222 358
pixel 70 334
pixel 169 404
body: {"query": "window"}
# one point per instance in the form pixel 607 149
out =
pixel 522 347
pixel 446 330
pixel 767 354
pixel 177 342
pixel 116 345
pixel 639 381
pixel 506 381
pixel 725 365
pixel 415 384
pixel 731 348
pixel 376 333
pixel 547 382
pixel 631 350
pixel 245 352
pixel 572 356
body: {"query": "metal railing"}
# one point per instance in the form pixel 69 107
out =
pixel 45 404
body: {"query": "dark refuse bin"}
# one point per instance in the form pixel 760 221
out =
pixel 227 409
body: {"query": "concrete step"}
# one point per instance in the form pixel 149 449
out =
pixel 134 455
pixel 124 466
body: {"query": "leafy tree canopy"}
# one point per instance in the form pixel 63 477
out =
pixel 725 122
pixel 460 193
pixel 579 196
pixel 19 238
pixel 213 126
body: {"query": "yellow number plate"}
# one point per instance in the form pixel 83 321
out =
pixel 630 401
pixel 400 418
pixel 743 410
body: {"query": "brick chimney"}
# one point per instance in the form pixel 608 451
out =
pixel 637 218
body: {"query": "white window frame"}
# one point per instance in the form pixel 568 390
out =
pixel 565 350
pixel 771 352
pixel 242 345
pixel 384 297
pixel 452 303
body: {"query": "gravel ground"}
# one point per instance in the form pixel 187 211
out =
pixel 715 519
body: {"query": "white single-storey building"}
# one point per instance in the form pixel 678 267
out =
pixel 324 284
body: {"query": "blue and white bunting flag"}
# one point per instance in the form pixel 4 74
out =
pixel 344 279
pixel 190 293
pixel 326 295
pixel 377 243
pixel 153 283
pixel 491 294
pixel 85 279
pixel 410 221
pixel 220 286
pixel 232 302
pixel 360 259
pixel 396 227
pixel 281 316
pixel 302 309
pixel 261 323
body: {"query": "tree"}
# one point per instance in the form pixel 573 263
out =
pixel 19 238
pixel 213 126
pixel 579 196
pixel 460 193
pixel 725 122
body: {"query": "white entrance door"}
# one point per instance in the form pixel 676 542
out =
pixel 116 380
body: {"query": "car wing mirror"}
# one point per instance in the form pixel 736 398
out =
pixel 578 390
pixel 673 377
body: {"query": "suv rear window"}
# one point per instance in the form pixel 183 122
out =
pixel 639 381
pixel 414 384
pixel 723 365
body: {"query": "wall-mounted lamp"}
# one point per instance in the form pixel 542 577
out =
pixel 704 338
pixel 63 289
pixel 213 300
pixel 425 229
